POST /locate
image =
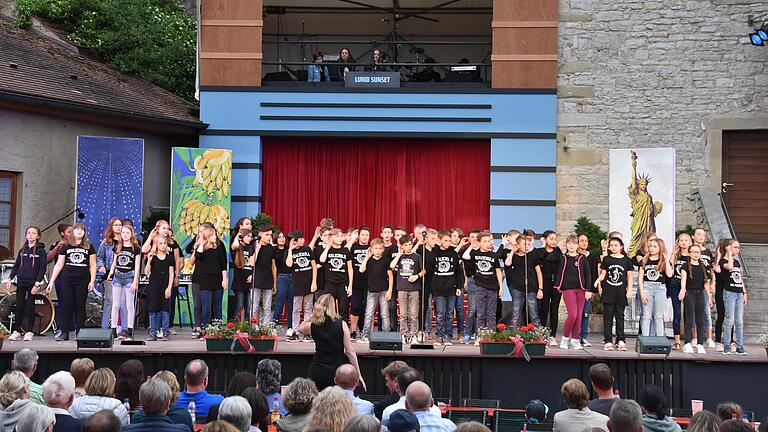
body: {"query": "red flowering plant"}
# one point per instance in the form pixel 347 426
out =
pixel 219 329
pixel 226 330
pixel 254 329
pixel 528 333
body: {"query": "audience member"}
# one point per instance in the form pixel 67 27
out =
pixel 402 420
pixel 237 384
pixel 81 369
pixel 347 378
pixel 25 361
pixel 728 411
pixel 130 376
pixel 536 411
pixel 38 418
pixel 735 425
pixel 259 409
pixel 196 381
pixel 99 391
pixel 103 421
pixel 602 381
pixel 390 380
pixel 346 64
pixel 155 398
pixel 472 426
pixel 362 423
pixel 236 411
pixel 219 426
pixel 14 398
pixel 268 375
pixel 298 402
pixel 404 379
pixel 318 72
pixel 176 414
pixel 704 421
pixel 625 416
pixel 59 394
pixel 331 409
pixel 577 416
pixel 654 404
pixel 418 400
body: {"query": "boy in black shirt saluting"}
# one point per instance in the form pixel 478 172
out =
pixel 444 267
pixel 488 280
pixel 359 250
pixel 379 283
pixel 522 293
pixel 339 275
pixel 264 276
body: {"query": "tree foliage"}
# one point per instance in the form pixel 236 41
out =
pixel 593 232
pixel 153 39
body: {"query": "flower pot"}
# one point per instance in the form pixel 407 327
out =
pixel 263 343
pixel 491 347
pixel 222 345
pixel 536 349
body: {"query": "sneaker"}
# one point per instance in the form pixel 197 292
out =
pixel 308 338
pixel 585 343
pixel 688 348
pixel 363 340
pixel 14 336
pixel 151 338
pixel 608 346
pixel 28 336
pixel 129 334
pixel 289 333
pixel 123 334
pixel 700 349
pixel 473 337
pixel 741 352
pixel 447 342
pixel 563 343
pixel 173 332
pixel 164 338
pixel 465 340
pixel 729 352
pixel 405 340
pixel 718 347
pixel 710 344
pixel 575 344
pixel 293 338
pixel 553 342
pixel 438 342
pixel 57 333
pixel 622 346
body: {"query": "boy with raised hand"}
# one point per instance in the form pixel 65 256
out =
pixel 379 283
pixel 408 265
pixel 264 275
pixel 339 276
pixel 359 250
pixel 317 245
pixel 469 243
pixel 488 279
pixel 390 250
pixel 520 292
pixel 505 254
pixel 302 261
pixel 447 279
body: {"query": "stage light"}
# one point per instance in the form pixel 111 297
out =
pixel 756 39
pixel 760 36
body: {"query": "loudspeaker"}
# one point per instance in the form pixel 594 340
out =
pixel 386 341
pixel 653 345
pixel 94 338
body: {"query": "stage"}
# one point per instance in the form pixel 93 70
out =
pixel 455 372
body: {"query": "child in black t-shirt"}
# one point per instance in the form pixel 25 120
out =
pixel 616 273
pixel 160 268
pixel 339 275
pixel 693 279
pixel 359 250
pixel 124 274
pixel 409 270
pixel 302 261
pixel 444 267
pixel 525 267
pixel 317 245
pixel 264 282
pixel 242 274
pixel 488 280
pixel 379 281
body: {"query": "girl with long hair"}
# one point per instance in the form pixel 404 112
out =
pixel 594 270
pixel 284 295
pixel 242 258
pixel 707 258
pixel 242 223
pixel 77 267
pixel 573 279
pixel 679 261
pixel 616 273
pixel 124 274
pixel 29 272
pixel 104 256
pixel 734 297
pixel 652 282
pixel 211 259
pixel 719 284
pixel 163 229
pixel 332 342
pixel 161 270
pixel 330 410
pixel 693 293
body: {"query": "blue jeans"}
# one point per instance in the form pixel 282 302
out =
pixel 284 297
pixel 470 325
pixel 654 310
pixel 518 305
pixel 734 316
pixel 242 303
pixel 161 318
pixel 445 307
pixel 673 291
pixel 585 320
pixel 485 301
pixel 210 300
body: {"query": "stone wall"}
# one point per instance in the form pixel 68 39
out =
pixel 637 73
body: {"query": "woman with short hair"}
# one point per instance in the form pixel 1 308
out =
pixel 99 395
pixel 297 399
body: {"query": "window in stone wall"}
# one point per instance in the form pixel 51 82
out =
pixel 7 208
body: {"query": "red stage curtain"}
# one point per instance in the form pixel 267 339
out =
pixel 440 183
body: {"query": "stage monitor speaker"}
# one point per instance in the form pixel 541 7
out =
pixel 94 338
pixel 386 341
pixel 653 345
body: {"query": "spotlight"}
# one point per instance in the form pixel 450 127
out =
pixel 756 39
pixel 760 36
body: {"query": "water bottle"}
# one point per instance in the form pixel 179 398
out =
pixel 127 405
pixel 191 409
pixel 275 410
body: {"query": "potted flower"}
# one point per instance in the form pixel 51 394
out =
pixel 3 334
pixel 496 342
pixel 534 338
pixel 763 341
pixel 219 336
pixel 263 337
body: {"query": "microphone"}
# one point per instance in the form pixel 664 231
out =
pixel 80 214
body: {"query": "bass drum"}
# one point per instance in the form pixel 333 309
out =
pixel 44 313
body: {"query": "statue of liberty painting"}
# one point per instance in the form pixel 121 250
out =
pixel 644 210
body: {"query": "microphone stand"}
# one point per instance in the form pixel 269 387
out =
pixel 76 209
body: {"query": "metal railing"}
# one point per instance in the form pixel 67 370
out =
pixel 733 233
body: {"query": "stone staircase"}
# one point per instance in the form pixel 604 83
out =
pixel 756 311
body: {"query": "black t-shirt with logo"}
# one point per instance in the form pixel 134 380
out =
pixel 336 266
pixel 407 266
pixel 376 271
pixel 125 260
pixel 390 251
pixel 302 270
pixel 445 267
pixel 680 264
pixel 651 272
pixel 76 262
pixel 615 283
pixel 358 256
pixel 485 269
pixel 262 268
pixel 517 274
pixel 732 279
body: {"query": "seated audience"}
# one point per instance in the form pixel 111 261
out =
pixel 390 380
pixel 362 423
pixel 155 398
pixel 240 381
pixel 268 376
pixel 402 420
pixel 318 72
pixel 728 411
pixel 472 426
pixel 346 64
pixel 298 402
pixel 347 379
pixel 14 399
pixel 59 394
pixel 38 418
pixel 81 369
pixel 536 411
pixel 176 414
pixel 625 416
pixel 260 414
pixel 103 421
pixel 602 381
pixel 577 416
pixel 236 411
pixel 377 63
pixel 331 410
pixel 704 421
pixel 735 425
pixel 654 404
pixel 418 400
pixel 129 378
pixel 404 379
pixel 99 391
pixel 219 426
pixel 196 381
pixel 25 361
